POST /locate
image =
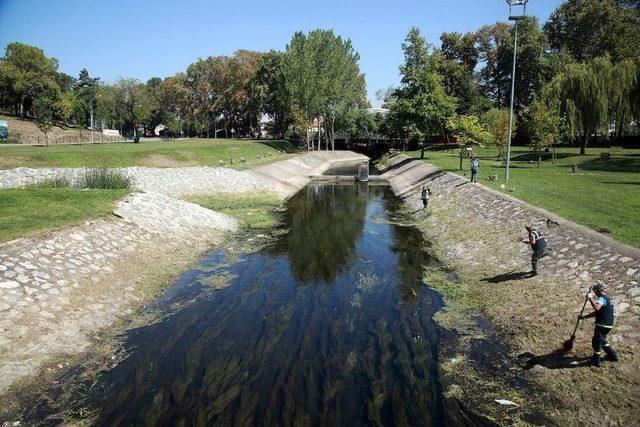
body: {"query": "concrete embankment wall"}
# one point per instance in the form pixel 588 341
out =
pixel 60 288
pixel 580 256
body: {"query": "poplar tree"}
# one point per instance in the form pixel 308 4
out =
pixel 422 107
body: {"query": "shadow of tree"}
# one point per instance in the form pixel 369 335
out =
pixel 614 164
pixel 532 156
pixel 621 182
pixel 286 145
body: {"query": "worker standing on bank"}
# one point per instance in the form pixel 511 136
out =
pixel 603 312
pixel 426 192
pixel 538 246
pixel 475 164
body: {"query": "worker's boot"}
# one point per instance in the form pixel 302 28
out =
pixel 595 360
pixel 611 354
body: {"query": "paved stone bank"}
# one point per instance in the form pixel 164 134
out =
pixel 165 215
pixel 482 232
pixel 580 256
pixel 170 181
pixel 283 177
pixel 58 289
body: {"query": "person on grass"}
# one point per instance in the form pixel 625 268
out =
pixel 603 312
pixel 475 164
pixel 538 246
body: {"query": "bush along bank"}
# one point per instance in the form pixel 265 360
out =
pixel 478 234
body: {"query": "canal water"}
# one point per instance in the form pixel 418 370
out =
pixel 328 324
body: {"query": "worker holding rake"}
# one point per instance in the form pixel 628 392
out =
pixel 538 246
pixel 603 312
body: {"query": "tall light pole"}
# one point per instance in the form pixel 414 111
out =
pixel 517 6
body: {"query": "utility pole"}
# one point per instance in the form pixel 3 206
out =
pixel 513 17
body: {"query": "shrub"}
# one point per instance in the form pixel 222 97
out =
pixel 384 161
pixel 106 179
pixel 57 182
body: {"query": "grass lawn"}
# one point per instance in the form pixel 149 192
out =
pixel 28 211
pixel 603 195
pixel 190 152
pixel 254 210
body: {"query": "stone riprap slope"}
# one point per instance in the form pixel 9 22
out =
pixel 174 182
pixel 482 231
pixel 59 289
pixel 283 177
pixel 159 214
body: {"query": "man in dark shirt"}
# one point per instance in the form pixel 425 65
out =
pixel 603 312
pixel 538 245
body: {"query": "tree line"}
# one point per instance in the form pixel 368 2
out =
pixel 316 77
pixel 577 77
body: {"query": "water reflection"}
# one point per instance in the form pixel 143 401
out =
pixel 325 221
pixel 356 349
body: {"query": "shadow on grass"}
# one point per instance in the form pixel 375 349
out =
pixel 286 145
pixel 532 156
pixel 615 164
pixel 621 182
pixel 508 277
pixel 557 359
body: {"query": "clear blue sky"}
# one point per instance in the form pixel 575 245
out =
pixel 147 38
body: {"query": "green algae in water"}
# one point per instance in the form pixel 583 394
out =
pixel 283 343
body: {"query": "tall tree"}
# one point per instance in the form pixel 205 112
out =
pixel 496 52
pixel 322 77
pixel 173 97
pixel 496 122
pixel 468 131
pixel 592 28
pixel 543 125
pixel 87 92
pixel 583 93
pixel 25 72
pixel 269 87
pixel 45 109
pixel 135 103
pixel 621 82
pixel 422 107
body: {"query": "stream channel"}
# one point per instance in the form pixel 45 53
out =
pixel 327 324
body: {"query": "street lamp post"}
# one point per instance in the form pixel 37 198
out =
pixel 514 5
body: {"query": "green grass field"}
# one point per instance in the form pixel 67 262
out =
pixel 603 195
pixel 254 210
pixel 28 211
pixel 190 152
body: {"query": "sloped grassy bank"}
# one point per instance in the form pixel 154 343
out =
pixel 474 364
pixel 483 361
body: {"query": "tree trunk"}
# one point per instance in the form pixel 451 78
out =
pixel 215 129
pixel 583 147
pixel 539 160
pixel 21 111
pixel 333 135
pixel 461 159
pixel 318 128
pixel 553 155
pixel 325 125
